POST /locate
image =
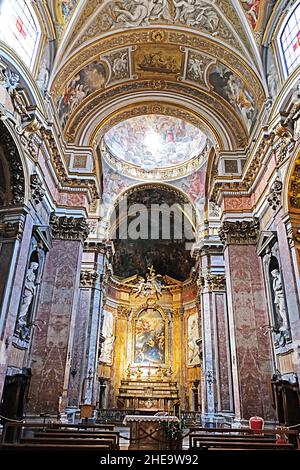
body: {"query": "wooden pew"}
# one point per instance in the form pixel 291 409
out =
pixel 79 434
pixel 247 444
pixel 109 442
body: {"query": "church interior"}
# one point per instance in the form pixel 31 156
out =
pixel 149 221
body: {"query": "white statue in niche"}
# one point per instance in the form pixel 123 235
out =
pixel 279 301
pixel 28 294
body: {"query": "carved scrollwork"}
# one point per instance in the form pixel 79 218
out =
pixel 240 232
pixel 69 228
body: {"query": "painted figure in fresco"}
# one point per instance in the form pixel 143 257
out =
pixel 252 9
pixel 28 294
pixel 279 300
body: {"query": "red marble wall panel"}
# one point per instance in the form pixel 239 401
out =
pixel 51 345
pixel 253 348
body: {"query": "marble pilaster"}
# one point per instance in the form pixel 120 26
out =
pixel 250 348
pixel 52 344
pixel 83 382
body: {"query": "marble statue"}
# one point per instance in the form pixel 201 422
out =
pixel 28 294
pixel 149 286
pixel 279 300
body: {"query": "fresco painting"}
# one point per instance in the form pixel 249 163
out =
pixel 149 340
pixel 228 85
pixel 155 141
pixel 251 8
pixel 91 78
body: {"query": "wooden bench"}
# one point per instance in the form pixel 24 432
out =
pixel 109 442
pixel 246 444
pixel 79 434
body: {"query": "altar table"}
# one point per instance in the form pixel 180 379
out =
pixel 143 425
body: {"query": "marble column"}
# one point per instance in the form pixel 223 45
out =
pixel 52 344
pixel 251 352
pixel 216 374
pixel 83 382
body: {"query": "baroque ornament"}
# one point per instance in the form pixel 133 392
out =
pixel 69 228
pixel 274 198
pixel 37 190
pixel 240 232
pixel 17 180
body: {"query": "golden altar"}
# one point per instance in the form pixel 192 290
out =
pixel 148 395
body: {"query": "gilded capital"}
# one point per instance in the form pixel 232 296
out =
pixel 69 228
pixel 88 278
pixel 240 232
pixel 215 282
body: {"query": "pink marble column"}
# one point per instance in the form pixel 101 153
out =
pixel 250 349
pixel 52 344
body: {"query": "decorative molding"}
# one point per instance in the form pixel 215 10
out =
pixel 240 232
pixel 274 198
pixel 69 228
pixel 88 278
pixel 37 189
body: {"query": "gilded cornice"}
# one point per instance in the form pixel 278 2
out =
pixel 278 142
pixel 63 177
pixel 240 232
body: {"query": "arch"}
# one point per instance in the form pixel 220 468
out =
pixel 185 198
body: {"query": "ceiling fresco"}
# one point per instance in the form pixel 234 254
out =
pixel 155 141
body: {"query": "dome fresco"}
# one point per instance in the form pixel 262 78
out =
pixel 155 141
